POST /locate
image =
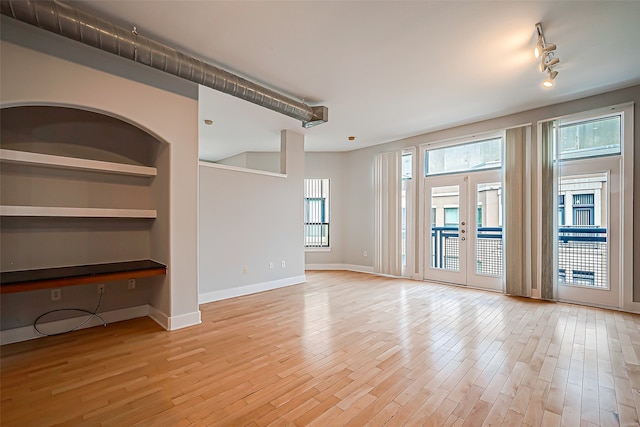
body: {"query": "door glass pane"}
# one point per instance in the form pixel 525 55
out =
pixel 489 229
pixel 583 250
pixel 445 244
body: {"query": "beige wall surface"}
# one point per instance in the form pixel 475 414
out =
pixel 248 220
pixel 39 68
pixel 332 166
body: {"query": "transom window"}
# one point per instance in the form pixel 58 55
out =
pixel 590 138
pixel 473 156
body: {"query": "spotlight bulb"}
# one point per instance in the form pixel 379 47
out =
pixel 549 82
pixel 538 50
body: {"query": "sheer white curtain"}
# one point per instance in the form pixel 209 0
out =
pixel 388 214
pixel 515 205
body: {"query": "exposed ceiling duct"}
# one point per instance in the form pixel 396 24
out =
pixel 86 28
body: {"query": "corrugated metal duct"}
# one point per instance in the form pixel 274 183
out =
pixel 81 26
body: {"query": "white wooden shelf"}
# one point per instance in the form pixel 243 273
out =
pixel 68 212
pixel 61 162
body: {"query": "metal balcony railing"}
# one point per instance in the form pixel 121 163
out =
pixel 582 253
pixel 583 256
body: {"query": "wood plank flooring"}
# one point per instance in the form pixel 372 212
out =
pixel 344 349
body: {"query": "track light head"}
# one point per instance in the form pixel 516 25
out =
pixel 549 81
pixel 545 65
pixel 539 47
pixel 552 62
pixel 549 48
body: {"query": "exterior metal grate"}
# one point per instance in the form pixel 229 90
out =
pixel 489 251
pixel 583 257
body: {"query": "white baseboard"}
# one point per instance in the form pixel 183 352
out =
pixel 347 267
pixel 184 321
pixel 249 289
pixel 174 322
pixel 26 333
pixel 159 317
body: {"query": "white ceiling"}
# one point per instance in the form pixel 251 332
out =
pixel 386 69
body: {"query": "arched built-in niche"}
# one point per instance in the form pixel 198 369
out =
pixel 79 188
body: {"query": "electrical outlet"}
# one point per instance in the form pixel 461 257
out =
pixel 56 294
pixel 270 265
pixel 131 284
pixel 101 289
pixel 245 270
pixel 284 264
pixel 364 254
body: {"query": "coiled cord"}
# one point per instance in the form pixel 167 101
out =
pixel 92 314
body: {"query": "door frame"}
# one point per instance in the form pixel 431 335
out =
pixel 420 175
pixel 627 173
pixel 467 274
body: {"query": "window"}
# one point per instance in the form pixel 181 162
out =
pixel 451 217
pixel 407 172
pixel 583 212
pixel 595 137
pixel 316 213
pixel 479 216
pixel 561 210
pixel 466 157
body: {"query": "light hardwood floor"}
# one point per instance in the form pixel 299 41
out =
pixel 344 349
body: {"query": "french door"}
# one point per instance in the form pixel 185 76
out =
pixel 588 230
pixel 463 241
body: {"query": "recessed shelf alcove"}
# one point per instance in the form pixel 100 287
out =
pixel 79 188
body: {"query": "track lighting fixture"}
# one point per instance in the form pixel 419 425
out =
pixel 545 52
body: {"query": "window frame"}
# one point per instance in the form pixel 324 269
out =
pixel 325 215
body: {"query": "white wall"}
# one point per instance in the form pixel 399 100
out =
pixel 40 68
pixel 248 220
